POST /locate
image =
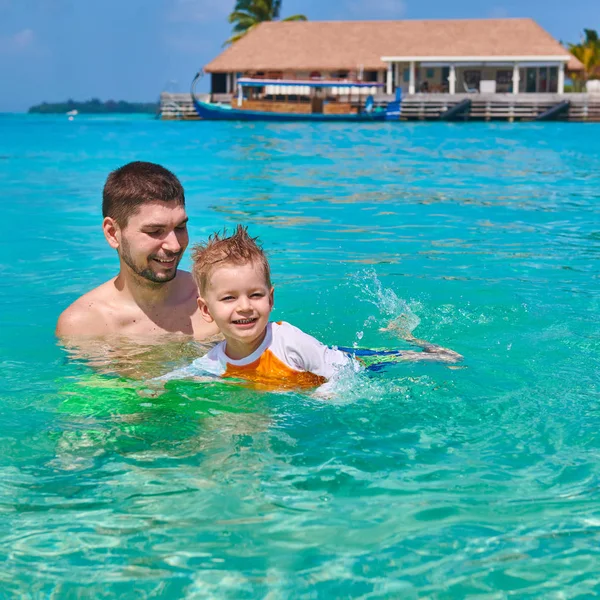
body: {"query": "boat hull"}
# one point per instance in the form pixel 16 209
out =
pixel 214 112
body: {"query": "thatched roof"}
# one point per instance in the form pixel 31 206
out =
pixel 308 45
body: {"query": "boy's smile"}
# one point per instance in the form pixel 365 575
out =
pixel 245 323
pixel 239 300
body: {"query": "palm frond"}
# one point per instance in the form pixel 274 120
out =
pixel 238 15
pixel 238 36
pixel 591 36
pixel 263 9
pixel 295 18
pixel 247 14
pixel 589 56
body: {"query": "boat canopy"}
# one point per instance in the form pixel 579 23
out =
pixel 314 83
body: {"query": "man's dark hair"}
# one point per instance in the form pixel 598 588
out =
pixel 137 183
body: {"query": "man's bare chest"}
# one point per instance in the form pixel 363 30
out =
pixel 136 321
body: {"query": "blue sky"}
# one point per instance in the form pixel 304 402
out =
pixel 132 49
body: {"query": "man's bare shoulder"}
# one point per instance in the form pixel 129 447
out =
pixel 105 310
pixel 189 296
pixel 86 315
pixel 185 279
pixel 187 291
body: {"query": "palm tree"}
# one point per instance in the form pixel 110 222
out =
pixel 247 14
pixel 588 52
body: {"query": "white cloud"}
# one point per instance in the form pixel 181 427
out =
pixel 499 12
pixel 23 38
pixel 199 11
pixel 188 44
pixel 17 42
pixel 376 9
pixel 51 6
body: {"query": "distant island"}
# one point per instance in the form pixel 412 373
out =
pixel 95 106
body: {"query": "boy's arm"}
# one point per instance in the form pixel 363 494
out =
pixel 431 352
pixel 306 353
pixel 203 367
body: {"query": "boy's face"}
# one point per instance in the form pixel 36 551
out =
pixel 239 301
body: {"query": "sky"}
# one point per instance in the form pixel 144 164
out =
pixel 52 50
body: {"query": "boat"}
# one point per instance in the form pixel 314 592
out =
pixel 262 99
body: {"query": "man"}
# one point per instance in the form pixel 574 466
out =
pixel 143 206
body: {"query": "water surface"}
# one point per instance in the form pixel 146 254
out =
pixel 421 481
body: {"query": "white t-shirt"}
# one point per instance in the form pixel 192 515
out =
pixel 287 358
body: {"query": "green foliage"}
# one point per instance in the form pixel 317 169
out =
pixel 95 106
pixel 588 52
pixel 247 14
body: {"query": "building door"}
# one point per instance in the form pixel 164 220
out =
pixel 218 83
pixel 553 79
pixel 531 85
pixel 471 80
pixel 445 83
pixel 543 84
pixel 316 102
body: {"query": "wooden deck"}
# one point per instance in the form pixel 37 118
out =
pixel 179 107
pixel 429 107
pixel 500 107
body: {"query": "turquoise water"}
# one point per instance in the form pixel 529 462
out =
pixel 421 481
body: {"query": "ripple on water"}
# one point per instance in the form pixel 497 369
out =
pixel 416 481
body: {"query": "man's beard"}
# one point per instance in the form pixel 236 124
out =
pixel 147 272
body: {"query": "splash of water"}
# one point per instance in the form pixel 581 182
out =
pixel 395 314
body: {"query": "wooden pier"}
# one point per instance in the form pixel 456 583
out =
pixel 501 107
pixel 179 107
pixel 433 107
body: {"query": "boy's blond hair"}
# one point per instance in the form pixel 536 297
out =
pixel 237 249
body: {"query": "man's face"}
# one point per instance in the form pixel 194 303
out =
pixel 154 240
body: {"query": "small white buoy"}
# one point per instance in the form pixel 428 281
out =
pixel 593 86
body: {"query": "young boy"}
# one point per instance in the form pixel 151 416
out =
pixel 235 293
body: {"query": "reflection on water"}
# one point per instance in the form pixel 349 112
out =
pixel 136 358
